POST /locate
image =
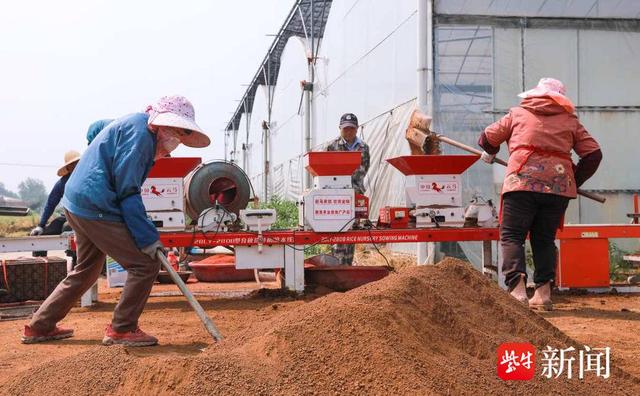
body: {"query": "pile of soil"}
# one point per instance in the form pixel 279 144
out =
pixel 424 330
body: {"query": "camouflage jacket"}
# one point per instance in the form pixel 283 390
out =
pixel 357 179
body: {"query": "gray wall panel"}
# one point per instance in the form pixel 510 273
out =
pixel 617 133
pixel 609 68
pixel 507 67
pixel 551 53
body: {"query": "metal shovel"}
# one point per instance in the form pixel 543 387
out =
pixel 586 194
pixel 206 320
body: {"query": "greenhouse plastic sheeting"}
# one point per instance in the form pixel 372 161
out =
pixel 486 52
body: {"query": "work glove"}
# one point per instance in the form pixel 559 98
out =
pixel 488 158
pixel 36 231
pixel 152 250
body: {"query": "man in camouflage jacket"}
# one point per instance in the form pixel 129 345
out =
pixel 349 141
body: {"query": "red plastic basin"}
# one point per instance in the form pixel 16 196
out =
pixel 220 268
pixel 343 277
pixel 221 273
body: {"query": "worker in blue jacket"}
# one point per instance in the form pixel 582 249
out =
pixel 96 128
pixel 104 207
pixel 59 224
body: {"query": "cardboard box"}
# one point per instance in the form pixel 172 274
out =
pixel 116 274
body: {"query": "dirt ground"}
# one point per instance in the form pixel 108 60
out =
pixel 602 320
pixel 167 316
pixel 594 320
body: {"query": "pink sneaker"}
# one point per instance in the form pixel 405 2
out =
pixel 135 338
pixel 30 336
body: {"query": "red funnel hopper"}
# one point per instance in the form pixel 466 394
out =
pixel 174 166
pixel 332 163
pixel 433 164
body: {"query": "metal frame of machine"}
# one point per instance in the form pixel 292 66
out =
pixel 583 237
pixel 29 244
pixel 575 240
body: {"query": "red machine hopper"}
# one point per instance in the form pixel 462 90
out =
pixel 433 164
pixel 332 163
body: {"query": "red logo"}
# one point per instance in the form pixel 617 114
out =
pixel 155 191
pixel 516 361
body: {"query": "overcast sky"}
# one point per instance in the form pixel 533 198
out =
pixel 67 63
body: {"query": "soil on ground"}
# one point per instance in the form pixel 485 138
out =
pixel 422 330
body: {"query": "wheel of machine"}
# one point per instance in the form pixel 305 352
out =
pixel 219 181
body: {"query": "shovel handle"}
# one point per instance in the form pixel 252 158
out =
pixel 469 149
pixel 206 320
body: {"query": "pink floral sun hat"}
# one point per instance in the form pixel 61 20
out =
pixel 552 88
pixel 176 111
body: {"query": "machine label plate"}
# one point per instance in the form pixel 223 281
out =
pixel 450 187
pixel 333 207
pixel 150 191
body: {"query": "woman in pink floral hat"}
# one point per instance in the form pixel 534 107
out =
pixel 540 180
pixel 103 206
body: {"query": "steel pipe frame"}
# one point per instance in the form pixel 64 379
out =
pixel 29 243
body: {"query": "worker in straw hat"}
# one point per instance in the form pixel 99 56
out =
pixel 539 182
pixel 71 158
pixel 59 224
pixel 103 204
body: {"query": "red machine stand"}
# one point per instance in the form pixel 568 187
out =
pixel 341 277
pixel 584 260
pixel 584 254
pixel 583 263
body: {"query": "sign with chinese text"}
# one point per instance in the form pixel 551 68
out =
pixel 333 207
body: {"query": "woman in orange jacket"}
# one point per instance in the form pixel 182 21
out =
pixel 540 180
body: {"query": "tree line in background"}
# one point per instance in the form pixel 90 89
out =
pixel 31 191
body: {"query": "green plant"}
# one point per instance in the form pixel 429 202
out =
pixel 528 256
pixel 17 226
pixel 33 193
pixel 618 266
pixel 286 212
pixel 314 250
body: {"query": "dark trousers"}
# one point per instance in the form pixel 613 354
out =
pixel 94 240
pixel 344 253
pixel 538 215
pixel 55 227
